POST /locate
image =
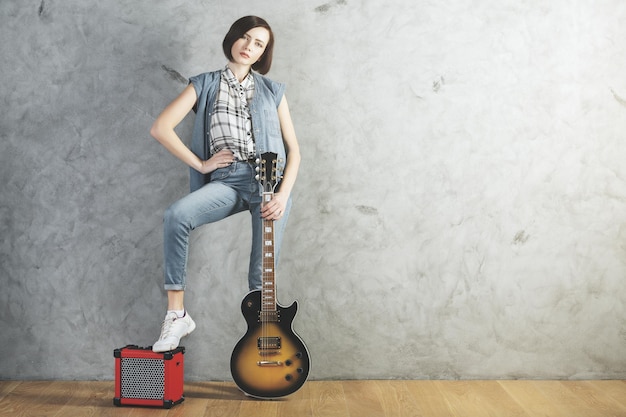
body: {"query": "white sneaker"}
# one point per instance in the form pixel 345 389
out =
pixel 172 330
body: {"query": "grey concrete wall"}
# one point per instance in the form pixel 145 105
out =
pixel 460 212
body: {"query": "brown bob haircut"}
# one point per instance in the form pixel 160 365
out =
pixel 238 29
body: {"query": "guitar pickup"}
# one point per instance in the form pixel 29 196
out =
pixel 269 316
pixel 268 342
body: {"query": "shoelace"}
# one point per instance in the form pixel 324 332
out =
pixel 166 327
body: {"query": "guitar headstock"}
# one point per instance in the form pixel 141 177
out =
pixel 268 173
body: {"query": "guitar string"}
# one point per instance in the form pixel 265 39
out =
pixel 268 268
pixel 265 311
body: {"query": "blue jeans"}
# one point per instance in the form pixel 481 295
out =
pixel 232 189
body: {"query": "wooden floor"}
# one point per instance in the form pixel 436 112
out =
pixel 333 399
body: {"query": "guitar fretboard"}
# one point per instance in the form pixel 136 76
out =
pixel 268 290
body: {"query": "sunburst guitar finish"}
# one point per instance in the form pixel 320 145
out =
pixel 270 360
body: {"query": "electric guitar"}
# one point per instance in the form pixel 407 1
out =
pixel 270 360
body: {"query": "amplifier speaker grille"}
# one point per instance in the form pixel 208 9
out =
pixel 143 378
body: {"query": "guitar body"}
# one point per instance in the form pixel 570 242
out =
pixel 270 360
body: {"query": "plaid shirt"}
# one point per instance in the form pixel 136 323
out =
pixel 231 125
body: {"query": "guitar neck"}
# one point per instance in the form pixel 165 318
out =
pixel 268 291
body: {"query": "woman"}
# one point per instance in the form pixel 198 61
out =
pixel 239 115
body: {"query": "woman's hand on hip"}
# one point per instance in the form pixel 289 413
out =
pixel 221 159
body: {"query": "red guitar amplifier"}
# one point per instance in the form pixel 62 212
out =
pixel 143 377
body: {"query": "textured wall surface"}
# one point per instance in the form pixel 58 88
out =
pixel 460 210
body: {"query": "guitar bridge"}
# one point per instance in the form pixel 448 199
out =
pixel 269 363
pixel 268 343
pixel 267 353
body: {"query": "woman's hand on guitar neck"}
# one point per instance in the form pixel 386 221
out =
pixel 275 208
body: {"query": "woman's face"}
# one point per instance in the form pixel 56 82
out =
pixel 250 47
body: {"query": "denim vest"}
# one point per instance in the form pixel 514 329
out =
pixel 263 110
